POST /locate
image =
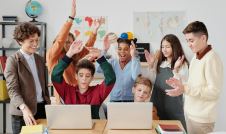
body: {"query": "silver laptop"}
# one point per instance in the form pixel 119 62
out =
pixel 130 115
pixel 68 116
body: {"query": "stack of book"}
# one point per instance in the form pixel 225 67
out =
pixel 169 129
pixel 35 129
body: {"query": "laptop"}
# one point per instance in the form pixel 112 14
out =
pixel 68 116
pixel 130 115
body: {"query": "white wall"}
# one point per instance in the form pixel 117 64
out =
pixel 120 17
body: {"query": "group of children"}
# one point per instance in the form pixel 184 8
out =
pixel 70 66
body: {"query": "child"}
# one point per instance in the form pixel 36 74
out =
pixel 25 78
pixel 142 91
pixel 85 69
pixel 126 67
pixel 171 62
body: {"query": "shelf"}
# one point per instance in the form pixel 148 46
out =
pixel 16 23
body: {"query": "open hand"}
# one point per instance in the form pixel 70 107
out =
pixel 75 48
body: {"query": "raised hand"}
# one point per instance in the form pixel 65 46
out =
pixel 132 49
pixel 75 48
pixel 178 63
pixel 73 8
pixel 97 23
pixel 150 58
pixel 106 45
pixel 94 53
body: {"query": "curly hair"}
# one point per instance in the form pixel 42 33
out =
pixel 85 64
pixel 25 30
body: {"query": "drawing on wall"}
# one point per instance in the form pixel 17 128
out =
pixel 83 26
pixel 152 26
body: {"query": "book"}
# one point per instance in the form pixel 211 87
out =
pixel 3 62
pixel 169 129
pixel 34 129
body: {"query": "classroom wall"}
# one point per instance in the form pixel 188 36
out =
pixel 120 17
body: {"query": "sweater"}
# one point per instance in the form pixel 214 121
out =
pixel 203 88
pixel 95 95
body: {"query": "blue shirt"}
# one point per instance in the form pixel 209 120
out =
pixel 125 78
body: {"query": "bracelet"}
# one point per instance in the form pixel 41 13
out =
pixel 71 18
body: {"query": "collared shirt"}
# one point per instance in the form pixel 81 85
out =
pixel 206 50
pixel 31 62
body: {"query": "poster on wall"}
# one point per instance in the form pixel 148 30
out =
pixel 83 26
pixel 152 26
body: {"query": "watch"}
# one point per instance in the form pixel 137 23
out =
pixel 22 106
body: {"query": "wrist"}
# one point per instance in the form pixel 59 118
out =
pixel 22 106
pixel 69 55
pixel 71 18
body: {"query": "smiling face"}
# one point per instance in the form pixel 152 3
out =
pixel 68 42
pixel 30 44
pixel 124 52
pixel 166 49
pixel 141 93
pixel 196 42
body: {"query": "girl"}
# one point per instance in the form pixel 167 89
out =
pixel 171 62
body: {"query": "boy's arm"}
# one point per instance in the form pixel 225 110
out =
pixel 12 82
pixel 108 71
pixel 58 70
pixel 109 78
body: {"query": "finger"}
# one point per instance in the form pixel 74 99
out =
pixel 182 58
pixel 26 121
pixel 33 120
pixel 29 120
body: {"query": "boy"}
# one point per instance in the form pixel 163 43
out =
pixel 83 93
pixel 25 78
pixel 142 91
pixel 204 84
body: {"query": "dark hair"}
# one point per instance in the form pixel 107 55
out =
pixel 126 41
pixel 25 30
pixel 196 27
pixel 72 36
pixel 85 64
pixel 144 81
pixel 177 50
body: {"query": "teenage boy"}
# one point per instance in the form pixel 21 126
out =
pixel 204 84
pixel 25 78
pixel 85 69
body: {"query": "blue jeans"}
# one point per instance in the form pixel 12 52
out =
pixel 17 123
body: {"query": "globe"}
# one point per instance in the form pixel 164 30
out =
pixel 33 9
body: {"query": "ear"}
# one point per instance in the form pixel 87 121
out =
pixel 76 76
pixel 20 43
pixel 204 38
